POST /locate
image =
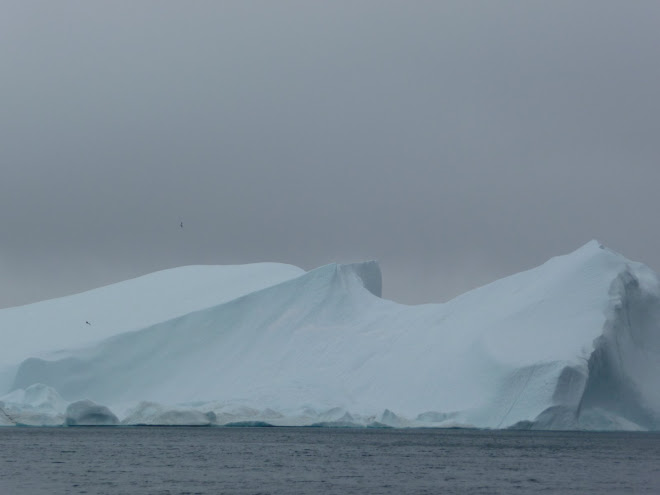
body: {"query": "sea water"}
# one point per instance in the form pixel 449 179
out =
pixel 150 460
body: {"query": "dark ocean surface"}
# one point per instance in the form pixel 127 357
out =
pixel 323 460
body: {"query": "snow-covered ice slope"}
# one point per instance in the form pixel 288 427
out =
pixel 574 343
pixel 34 330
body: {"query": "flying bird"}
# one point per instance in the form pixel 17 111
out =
pixel 88 323
pixel 181 225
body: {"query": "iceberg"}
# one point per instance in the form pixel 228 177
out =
pixel 87 413
pixel 37 405
pixel 571 344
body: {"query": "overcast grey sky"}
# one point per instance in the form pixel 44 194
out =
pixel 455 142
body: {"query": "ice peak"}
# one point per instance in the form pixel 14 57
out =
pixel 593 253
pixel 595 246
pixel 595 243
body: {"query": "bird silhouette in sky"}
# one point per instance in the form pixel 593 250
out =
pixel 181 225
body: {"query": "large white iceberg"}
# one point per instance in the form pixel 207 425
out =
pixel 574 343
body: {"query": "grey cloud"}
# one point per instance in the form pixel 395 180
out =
pixel 456 142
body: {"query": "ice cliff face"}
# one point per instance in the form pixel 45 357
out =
pixel 574 343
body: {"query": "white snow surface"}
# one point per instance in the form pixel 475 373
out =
pixel 73 321
pixel 573 343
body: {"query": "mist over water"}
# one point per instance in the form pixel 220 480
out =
pixel 315 460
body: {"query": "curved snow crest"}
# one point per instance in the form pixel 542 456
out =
pixel 369 275
pixel 573 343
